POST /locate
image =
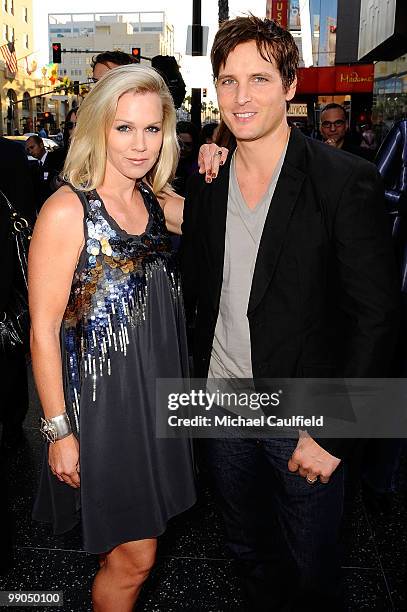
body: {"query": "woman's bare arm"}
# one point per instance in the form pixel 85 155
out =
pixel 55 247
pixel 211 156
pixel 173 208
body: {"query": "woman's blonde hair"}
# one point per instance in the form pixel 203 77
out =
pixel 85 163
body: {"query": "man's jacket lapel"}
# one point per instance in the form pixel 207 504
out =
pixel 215 236
pixel 281 208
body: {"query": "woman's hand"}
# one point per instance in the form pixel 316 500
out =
pixel 63 460
pixel 210 157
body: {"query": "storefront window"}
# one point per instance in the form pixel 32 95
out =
pixel 389 94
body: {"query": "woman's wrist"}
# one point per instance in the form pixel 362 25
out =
pixel 56 428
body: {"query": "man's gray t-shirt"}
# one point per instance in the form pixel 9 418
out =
pixel 231 354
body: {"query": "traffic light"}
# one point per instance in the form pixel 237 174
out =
pixel 76 88
pixel 167 66
pixel 47 117
pixel 56 53
pixel 136 54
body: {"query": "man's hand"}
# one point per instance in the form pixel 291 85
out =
pixel 311 460
pixel 210 157
pixel 332 142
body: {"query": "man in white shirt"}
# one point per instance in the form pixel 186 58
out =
pixel 47 168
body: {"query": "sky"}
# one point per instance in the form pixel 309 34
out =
pixel 179 14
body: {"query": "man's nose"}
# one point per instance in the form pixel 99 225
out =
pixel 242 94
pixel 332 127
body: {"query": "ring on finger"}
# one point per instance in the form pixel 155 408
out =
pixel 311 481
pixel 219 152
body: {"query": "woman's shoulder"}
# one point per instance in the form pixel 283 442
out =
pixel 171 198
pixel 63 205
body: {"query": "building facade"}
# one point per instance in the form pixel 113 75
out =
pixel 83 35
pixel 17 108
pixel 383 38
pixel 323 76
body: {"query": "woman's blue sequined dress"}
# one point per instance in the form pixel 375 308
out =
pixel 123 328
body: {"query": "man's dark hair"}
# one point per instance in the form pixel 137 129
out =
pixel 207 131
pixel 37 139
pixel 334 105
pixel 187 127
pixel 66 134
pixel 272 41
pixel 119 58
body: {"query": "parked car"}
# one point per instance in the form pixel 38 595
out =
pixel 58 138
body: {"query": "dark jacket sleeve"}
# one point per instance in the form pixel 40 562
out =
pixel 15 183
pixel 7 275
pixel 368 275
pixel 188 252
pixel 16 179
pixel 369 281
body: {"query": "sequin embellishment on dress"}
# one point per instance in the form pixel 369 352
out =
pixel 110 290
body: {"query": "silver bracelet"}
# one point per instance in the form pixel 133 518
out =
pixel 56 428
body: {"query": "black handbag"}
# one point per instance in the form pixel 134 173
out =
pixel 15 321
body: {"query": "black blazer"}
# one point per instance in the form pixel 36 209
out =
pixel 324 299
pixel 54 162
pixel 15 182
pixel 46 174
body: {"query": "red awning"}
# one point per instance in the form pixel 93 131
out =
pixel 357 78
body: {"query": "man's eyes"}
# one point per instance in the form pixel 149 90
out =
pixel 254 79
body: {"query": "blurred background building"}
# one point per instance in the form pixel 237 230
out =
pixel 93 32
pixel 329 71
pixel 383 39
pixel 17 79
pixel 353 52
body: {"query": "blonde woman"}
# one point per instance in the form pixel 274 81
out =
pixel 107 320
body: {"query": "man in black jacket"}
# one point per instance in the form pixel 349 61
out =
pixel 287 259
pixel 16 184
pixel 48 166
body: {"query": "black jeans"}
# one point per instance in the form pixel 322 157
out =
pixel 283 532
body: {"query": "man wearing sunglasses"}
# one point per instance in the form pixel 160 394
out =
pixel 334 128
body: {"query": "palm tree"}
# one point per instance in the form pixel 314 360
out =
pixel 210 109
pixel 187 103
pixel 223 10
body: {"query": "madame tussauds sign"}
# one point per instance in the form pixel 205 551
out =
pixel 355 77
pixel 336 79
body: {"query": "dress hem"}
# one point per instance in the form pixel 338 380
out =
pixel 161 530
pixel 157 533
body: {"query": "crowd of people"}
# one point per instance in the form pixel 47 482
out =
pixel 286 269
